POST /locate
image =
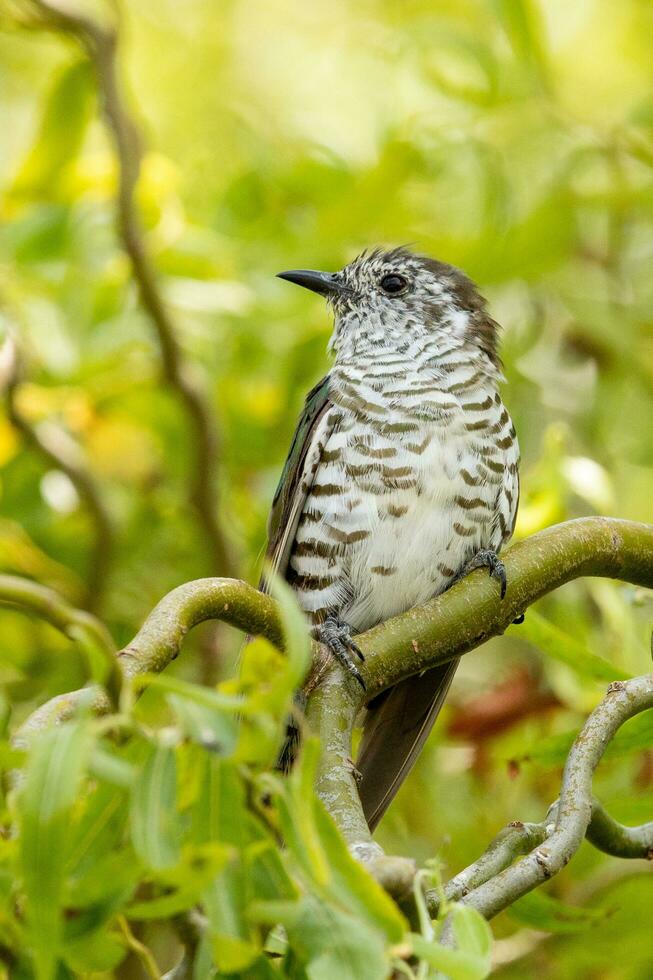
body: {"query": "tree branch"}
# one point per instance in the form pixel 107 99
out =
pixel 493 883
pixel 80 627
pixel 517 839
pixel 59 450
pixel 159 640
pixel 446 627
pixel 101 42
pixel 471 612
pixel 612 837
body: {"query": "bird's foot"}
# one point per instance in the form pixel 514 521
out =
pixel 487 559
pixel 336 635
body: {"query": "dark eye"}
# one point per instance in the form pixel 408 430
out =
pixel 393 283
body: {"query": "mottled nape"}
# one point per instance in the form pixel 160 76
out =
pixel 403 471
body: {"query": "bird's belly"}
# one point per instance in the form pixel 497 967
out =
pixel 421 533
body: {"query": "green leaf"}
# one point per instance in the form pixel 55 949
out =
pixel 636 734
pixel 456 964
pixel 61 132
pixel 97 838
pixel 97 952
pixel 211 728
pixel 559 645
pixel 295 805
pixel 204 696
pixel 295 631
pixel 265 677
pixel 232 943
pixel 471 931
pixel 522 25
pixel 155 828
pixel 219 813
pixel 46 803
pixel 199 868
pixel 352 885
pixel 266 872
pixel 110 768
pixel 544 912
pixel 328 941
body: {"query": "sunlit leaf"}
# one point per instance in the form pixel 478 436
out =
pixel 61 131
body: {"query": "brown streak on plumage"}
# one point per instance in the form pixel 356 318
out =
pixel 325 490
pixel 313 547
pixel 471 481
pixel 345 537
pixel 310 582
pixel 418 447
pixel 477 406
pixel 471 504
pixel 464 532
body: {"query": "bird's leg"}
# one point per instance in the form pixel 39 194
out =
pixel 336 635
pixel 485 558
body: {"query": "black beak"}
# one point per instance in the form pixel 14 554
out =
pixel 324 283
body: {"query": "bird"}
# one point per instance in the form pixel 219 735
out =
pixel 402 476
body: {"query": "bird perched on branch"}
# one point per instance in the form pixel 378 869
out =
pixel 402 477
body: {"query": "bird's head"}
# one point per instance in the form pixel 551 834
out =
pixel 397 298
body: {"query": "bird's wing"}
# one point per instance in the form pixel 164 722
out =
pixel 297 478
pixel 394 733
pixel 400 720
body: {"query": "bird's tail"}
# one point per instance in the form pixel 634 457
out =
pixel 397 725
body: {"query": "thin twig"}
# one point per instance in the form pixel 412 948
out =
pixel 514 840
pixel 101 43
pixel 58 449
pixel 517 839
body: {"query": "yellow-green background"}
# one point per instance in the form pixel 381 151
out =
pixel 513 139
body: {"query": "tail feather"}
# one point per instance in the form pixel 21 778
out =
pixel 395 729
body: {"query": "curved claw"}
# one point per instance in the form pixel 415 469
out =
pixel 498 571
pixel 336 635
pixel 490 560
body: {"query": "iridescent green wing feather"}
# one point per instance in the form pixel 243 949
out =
pixel 296 480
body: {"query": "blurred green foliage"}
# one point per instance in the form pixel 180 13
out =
pixel 514 139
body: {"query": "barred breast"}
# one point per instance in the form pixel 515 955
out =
pixel 417 474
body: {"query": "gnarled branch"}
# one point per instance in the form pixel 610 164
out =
pixel 446 627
